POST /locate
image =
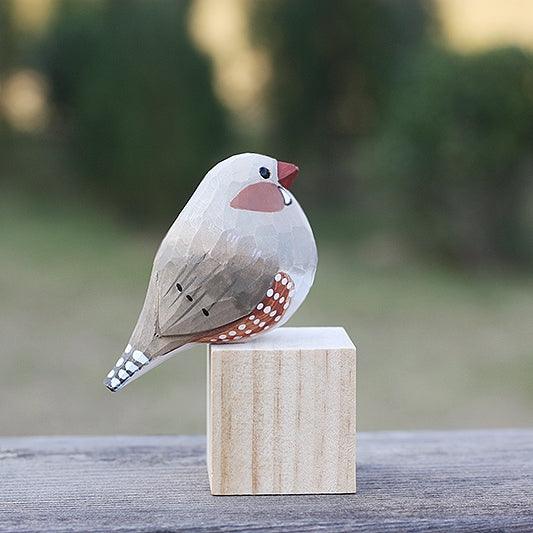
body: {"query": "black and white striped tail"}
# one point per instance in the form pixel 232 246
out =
pixel 128 366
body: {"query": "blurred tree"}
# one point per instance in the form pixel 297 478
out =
pixel 332 63
pixel 7 54
pixel 456 154
pixel 137 99
pixel 6 37
pixel 6 46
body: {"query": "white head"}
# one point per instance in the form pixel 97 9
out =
pixel 245 183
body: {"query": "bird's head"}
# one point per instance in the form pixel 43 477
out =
pixel 257 182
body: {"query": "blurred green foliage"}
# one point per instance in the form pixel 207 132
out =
pixel 394 133
pixel 6 52
pixel 137 99
pixel 454 156
pixel 333 64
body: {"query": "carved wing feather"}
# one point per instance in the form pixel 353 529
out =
pixel 203 292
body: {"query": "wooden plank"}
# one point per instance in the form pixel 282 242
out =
pixel 281 414
pixel 419 481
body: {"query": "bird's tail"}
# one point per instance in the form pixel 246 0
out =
pixel 133 363
pixel 130 365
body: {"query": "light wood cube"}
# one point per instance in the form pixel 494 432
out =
pixel 281 413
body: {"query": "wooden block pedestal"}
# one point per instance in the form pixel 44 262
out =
pixel 281 414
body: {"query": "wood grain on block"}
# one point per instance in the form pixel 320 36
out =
pixel 281 413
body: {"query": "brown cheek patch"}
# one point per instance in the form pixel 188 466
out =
pixel 266 314
pixel 263 197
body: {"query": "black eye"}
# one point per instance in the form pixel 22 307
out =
pixel 265 173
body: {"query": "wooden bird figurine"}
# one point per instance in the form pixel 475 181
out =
pixel 237 262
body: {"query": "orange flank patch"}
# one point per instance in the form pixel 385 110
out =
pixel 266 314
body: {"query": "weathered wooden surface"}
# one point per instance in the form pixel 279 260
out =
pixel 472 480
pixel 281 413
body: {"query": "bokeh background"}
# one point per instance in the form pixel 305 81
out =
pixel 412 123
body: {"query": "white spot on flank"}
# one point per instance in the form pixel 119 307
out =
pixel 270 292
pixel 268 309
pixel 262 325
pixel 237 337
pixel 277 319
pixel 128 349
pixel 284 281
pixel 277 277
pixel 130 367
pixel 286 305
pixel 232 333
pixel 242 326
pixel 252 317
pixel 276 296
pixel 266 327
pixel 289 285
pixel 260 306
pixel 273 313
pixel 256 321
pixel 282 299
pixel 122 374
pixel 248 331
pixel 111 374
pixel 222 337
pixel 120 361
pixel 140 357
pixel 213 340
pixel 115 382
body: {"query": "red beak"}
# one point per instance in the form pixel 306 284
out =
pixel 287 173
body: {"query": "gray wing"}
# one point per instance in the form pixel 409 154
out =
pixel 202 292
